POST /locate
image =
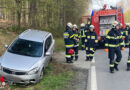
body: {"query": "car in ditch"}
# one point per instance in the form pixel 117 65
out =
pixel 26 58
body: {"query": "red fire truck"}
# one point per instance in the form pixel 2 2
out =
pixel 102 20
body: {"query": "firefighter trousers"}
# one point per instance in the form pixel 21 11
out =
pixel 89 53
pixel 126 41
pixel 76 49
pixel 83 42
pixel 128 63
pixel 112 52
pixel 68 56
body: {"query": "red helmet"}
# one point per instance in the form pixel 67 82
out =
pixel 71 51
pixel 1 79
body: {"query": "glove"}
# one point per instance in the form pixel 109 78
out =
pixel 123 48
pixel 106 50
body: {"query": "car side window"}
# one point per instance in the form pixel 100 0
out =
pixel 48 43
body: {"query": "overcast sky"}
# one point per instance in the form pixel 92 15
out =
pixel 96 4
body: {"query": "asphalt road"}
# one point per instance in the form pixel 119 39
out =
pixel 105 81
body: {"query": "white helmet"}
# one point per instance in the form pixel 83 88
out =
pixel 75 26
pixel 127 24
pixel 69 24
pixel 82 25
pixel 91 26
pixel 115 23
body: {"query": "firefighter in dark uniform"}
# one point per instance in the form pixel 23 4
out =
pixel 76 41
pixel 90 43
pixel 128 63
pixel 69 43
pixel 114 44
pixel 88 24
pixel 126 38
pixel 82 33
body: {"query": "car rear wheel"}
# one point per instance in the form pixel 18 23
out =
pixel 51 59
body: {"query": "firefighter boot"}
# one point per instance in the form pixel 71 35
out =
pixel 116 67
pixel 128 66
pixel 91 58
pixel 111 69
pixel 72 57
pixel 71 61
pixel 87 58
pixel 67 61
pixel 76 58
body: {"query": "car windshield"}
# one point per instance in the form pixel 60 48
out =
pixel 27 48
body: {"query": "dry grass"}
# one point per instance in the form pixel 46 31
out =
pixel 6 38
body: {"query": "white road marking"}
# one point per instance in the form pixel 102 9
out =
pixel 93 77
pixel 93 61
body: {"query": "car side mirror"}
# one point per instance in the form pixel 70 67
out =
pixel 48 54
pixel 6 45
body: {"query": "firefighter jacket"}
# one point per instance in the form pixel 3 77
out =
pixel 68 37
pixel 127 30
pixel 122 31
pixel 76 36
pixel 91 39
pixel 82 32
pixel 114 39
pixel 126 38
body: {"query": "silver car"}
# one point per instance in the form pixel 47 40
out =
pixel 26 58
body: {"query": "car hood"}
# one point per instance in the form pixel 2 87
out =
pixel 18 62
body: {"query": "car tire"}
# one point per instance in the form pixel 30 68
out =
pixel 51 59
pixel 52 56
pixel 41 75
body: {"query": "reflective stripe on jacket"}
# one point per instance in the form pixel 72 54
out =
pixel 114 39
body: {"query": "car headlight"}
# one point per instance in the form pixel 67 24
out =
pixel 33 71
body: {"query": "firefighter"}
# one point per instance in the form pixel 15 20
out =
pixel 126 38
pixel 114 44
pixel 128 63
pixel 69 43
pixel 88 24
pixel 82 33
pixel 76 41
pixel 90 43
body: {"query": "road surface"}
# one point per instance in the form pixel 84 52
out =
pixel 105 81
pixel 95 75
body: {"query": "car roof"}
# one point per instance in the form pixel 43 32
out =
pixel 34 35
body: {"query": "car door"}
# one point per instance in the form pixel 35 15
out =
pixel 51 48
pixel 47 50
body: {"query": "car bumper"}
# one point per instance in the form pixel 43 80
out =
pixel 20 79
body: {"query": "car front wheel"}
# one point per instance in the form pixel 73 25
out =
pixel 41 74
